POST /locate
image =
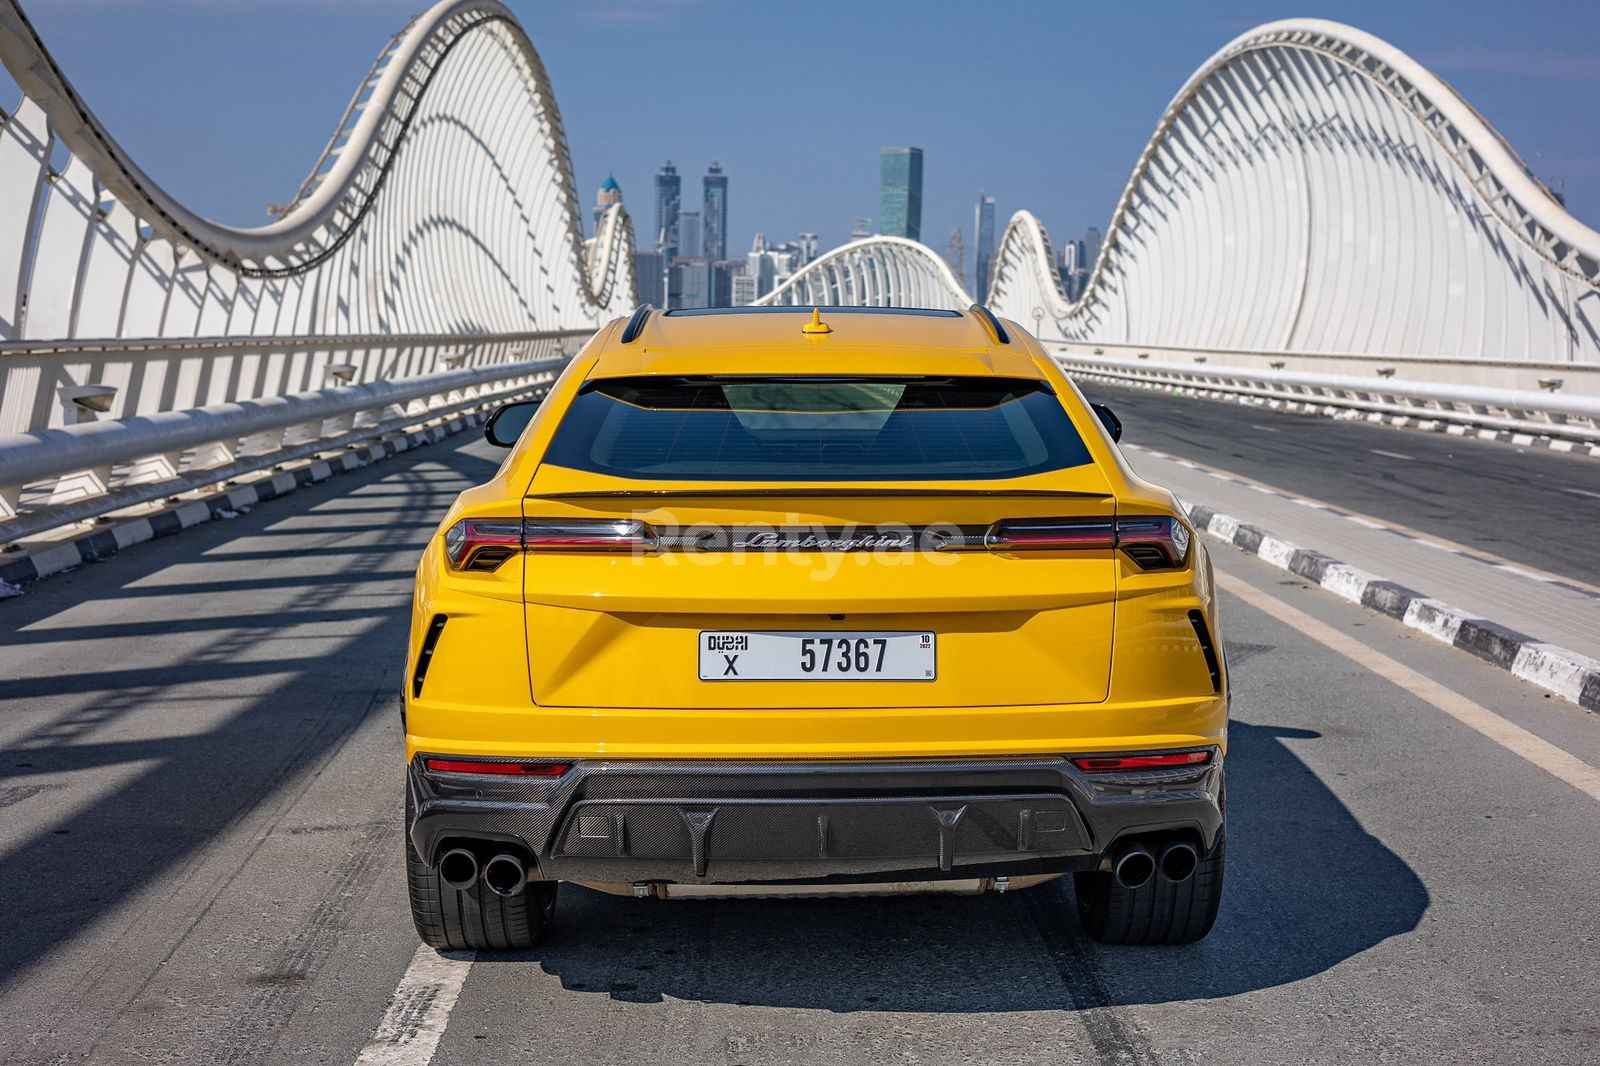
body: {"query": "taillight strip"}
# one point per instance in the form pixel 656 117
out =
pixel 482 544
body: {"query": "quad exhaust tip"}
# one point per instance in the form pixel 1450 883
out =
pixel 505 875
pixel 1134 867
pixel 1178 861
pixel 458 868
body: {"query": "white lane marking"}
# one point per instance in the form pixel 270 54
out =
pixel 1535 749
pixel 1582 492
pixel 419 1010
pixel 1392 455
pixel 1264 429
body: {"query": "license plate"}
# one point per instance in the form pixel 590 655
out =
pixel 743 656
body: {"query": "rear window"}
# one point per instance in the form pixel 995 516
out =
pixel 816 429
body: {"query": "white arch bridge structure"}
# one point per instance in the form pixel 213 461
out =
pixel 1316 220
pixel 1319 220
pixel 433 261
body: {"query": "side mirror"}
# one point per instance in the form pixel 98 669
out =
pixel 508 422
pixel 1109 419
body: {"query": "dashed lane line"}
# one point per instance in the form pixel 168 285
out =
pixel 419 1010
pixel 1535 749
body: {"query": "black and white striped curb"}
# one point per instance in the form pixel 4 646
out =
pixel 42 562
pixel 1566 673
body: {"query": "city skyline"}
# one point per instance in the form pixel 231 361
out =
pixel 798 172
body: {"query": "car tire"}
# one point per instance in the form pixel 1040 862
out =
pixel 477 919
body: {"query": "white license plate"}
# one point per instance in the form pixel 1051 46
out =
pixel 742 656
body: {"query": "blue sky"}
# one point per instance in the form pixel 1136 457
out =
pixel 1045 105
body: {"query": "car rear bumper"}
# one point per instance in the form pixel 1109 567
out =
pixel 812 822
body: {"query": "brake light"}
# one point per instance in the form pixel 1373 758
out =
pixel 504 769
pixel 482 544
pixel 1166 760
pixel 1152 542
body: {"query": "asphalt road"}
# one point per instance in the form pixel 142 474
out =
pixel 1530 505
pixel 200 853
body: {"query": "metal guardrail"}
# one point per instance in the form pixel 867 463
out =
pixel 1534 413
pixel 52 478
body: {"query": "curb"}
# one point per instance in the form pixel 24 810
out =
pixel 1565 673
pixel 106 541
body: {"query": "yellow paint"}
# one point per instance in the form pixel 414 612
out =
pixel 574 656
pixel 816 325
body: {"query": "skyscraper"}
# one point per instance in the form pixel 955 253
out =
pixel 667 190
pixel 691 235
pixel 900 211
pixel 715 219
pixel 1091 249
pixel 983 249
pixel 610 193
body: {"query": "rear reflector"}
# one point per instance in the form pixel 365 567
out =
pixel 1107 764
pixel 506 769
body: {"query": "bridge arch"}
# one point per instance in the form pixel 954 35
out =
pixel 431 211
pixel 1343 196
pixel 874 272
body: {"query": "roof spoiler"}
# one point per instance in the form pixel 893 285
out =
pixel 635 326
pixel 996 330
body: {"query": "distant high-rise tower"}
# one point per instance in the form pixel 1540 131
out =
pixel 861 229
pixel 691 235
pixel 900 212
pixel 715 219
pixel 808 247
pixel 667 189
pixel 983 251
pixel 610 193
pixel 955 254
pixel 1091 250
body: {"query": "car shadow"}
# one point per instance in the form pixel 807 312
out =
pixel 1307 888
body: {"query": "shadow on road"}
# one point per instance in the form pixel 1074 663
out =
pixel 1307 889
pixel 256 675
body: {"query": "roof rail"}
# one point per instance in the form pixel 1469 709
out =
pixel 996 330
pixel 635 325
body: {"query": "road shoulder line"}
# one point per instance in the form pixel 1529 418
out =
pixel 1563 672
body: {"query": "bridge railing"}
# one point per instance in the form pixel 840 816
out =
pixel 57 477
pixel 1425 403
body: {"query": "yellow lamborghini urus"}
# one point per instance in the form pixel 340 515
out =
pixel 783 600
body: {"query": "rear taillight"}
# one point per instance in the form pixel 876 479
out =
pixel 482 544
pixel 1165 760
pixel 1050 534
pixel 504 769
pixel 1151 542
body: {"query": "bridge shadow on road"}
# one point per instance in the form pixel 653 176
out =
pixel 1308 888
pixel 258 646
